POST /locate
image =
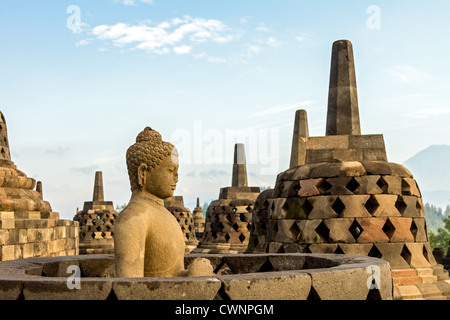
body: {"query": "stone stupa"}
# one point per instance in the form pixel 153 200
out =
pixel 28 226
pixel 228 219
pixel 199 220
pixel 97 222
pixel 175 205
pixel 341 195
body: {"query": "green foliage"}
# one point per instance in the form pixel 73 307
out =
pixel 120 208
pixel 435 217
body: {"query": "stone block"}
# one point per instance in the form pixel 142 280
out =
pixel 308 232
pixel 430 291
pixel 10 290
pixel 28 250
pixel 323 248
pixel 391 185
pixel 408 206
pixel 352 169
pixel 366 141
pixel 410 188
pixel 57 289
pixel 323 207
pixel 383 205
pixel 339 230
pixel 338 186
pixel 295 286
pixel 308 188
pixel 392 252
pixel 4 236
pixel 377 167
pixel 23 236
pixel 7 252
pixel 355 206
pixel 408 292
pixel 6 215
pixel 328 142
pixel 419 230
pixel 366 185
pixel 278 211
pixel 7 224
pixel 316 156
pixel 399 170
pixel 325 170
pixel 377 154
pixel 359 249
pixel 417 258
pixel 287 231
pixel 372 230
pixel 348 154
pixel 399 229
pixel 335 284
pixel 294 208
pixel 300 173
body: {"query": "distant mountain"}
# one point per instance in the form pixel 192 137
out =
pixel 431 169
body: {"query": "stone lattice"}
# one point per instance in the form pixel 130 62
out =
pixel 229 219
pixel 175 205
pixel 341 195
pixel 28 226
pixel 96 222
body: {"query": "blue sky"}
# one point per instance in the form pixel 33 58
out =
pixel 202 73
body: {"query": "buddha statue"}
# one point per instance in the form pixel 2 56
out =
pixel 148 241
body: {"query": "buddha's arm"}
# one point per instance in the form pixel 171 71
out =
pixel 129 247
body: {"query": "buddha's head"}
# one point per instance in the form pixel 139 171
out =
pixel 152 164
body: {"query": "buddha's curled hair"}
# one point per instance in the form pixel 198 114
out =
pixel 149 149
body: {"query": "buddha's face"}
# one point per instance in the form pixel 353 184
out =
pixel 162 180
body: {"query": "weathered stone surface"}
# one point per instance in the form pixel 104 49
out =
pixel 343 112
pixel 339 230
pixel 372 230
pixel 299 139
pixel 354 206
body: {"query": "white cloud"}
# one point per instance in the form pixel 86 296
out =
pixel 426 113
pixel 182 49
pixel 133 2
pixel 408 74
pixel 178 34
pixel 272 42
pixel 83 42
pixel 283 108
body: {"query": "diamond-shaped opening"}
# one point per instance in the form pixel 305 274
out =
pixel 99 217
pixel 230 218
pixel 93 235
pixel 227 237
pixel 414 229
pixel 383 184
pixel 98 229
pixel 400 205
pixel 114 216
pixel 234 210
pixel 338 206
pixel 235 227
pixel 111 221
pixel 266 267
pixel 103 234
pixel 323 231
pixel 274 231
pixel 355 229
pixel 93 221
pixel 339 250
pixel 242 237
pixel 352 185
pixel 375 253
pixel 313 295
pixel 418 205
pixel 323 186
pixel 426 254
pixel 220 226
pixel 406 188
pixel 372 205
pixel 389 229
pixel 307 206
pixel 295 231
pixel 296 187
pixel 82 234
pixel 103 221
pixel 108 228
pixel 406 254
pixel 89 228
pixel 242 217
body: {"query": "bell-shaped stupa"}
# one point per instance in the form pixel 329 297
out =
pixel 228 219
pixel 97 222
pixel 175 205
pixel 341 195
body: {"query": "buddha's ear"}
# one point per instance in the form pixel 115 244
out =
pixel 141 175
